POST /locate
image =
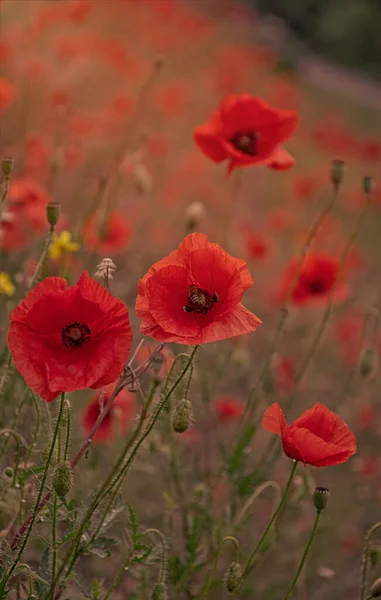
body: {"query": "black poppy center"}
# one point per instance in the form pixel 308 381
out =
pixel 246 143
pixel 317 286
pixel 75 335
pixel 200 301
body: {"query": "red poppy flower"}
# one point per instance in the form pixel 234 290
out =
pixel 121 412
pixel 316 280
pixel 29 199
pixel 67 339
pixel 107 235
pixel 257 246
pixel 228 408
pixel 246 131
pixel 7 94
pixel 318 437
pixel 193 296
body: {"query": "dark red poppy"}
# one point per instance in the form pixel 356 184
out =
pixel 228 408
pixel 7 93
pixel 246 131
pixel 28 201
pixel 193 295
pixel 258 247
pixel 119 416
pixel 318 437
pixel 316 280
pixel 69 338
pixel 107 235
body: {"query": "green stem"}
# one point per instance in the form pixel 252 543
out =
pixel 364 569
pixel 73 553
pixel 6 577
pixel 4 195
pixel 273 518
pixel 36 430
pixel 164 554
pixel 301 565
pixel 68 430
pixel 43 257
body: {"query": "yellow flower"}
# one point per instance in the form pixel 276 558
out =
pixel 62 245
pixel 6 285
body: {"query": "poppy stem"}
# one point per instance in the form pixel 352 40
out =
pixel 267 530
pixel 36 508
pixel 229 538
pixel 307 549
pixel 41 263
pixel 365 558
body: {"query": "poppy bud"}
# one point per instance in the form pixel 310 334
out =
pixel 369 362
pixel 375 555
pixel 194 215
pixel 233 577
pixel 337 172
pixel 7 165
pixel 368 184
pixel 8 472
pixel 159 592
pixel 375 590
pixel 320 497
pixel 182 416
pixel 63 479
pixel 53 213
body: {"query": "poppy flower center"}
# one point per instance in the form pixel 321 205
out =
pixel 75 335
pixel 246 143
pixel 317 286
pixel 200 301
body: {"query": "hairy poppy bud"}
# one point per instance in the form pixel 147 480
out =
pixel 182 416
pixel 337 172
pixel 7 165
pixel 8 472
pixel 194 215
pixel 63 479
pixel 368 184
pixel 375 590
pixel 53 213
pixel 321 497
pixel 159 592
pixel 233 577
pixel 369 362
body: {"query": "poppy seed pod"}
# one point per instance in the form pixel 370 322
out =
pixel 369 362
pixel 337 172
pixel 159 592
pixel 368 184
pixel 375 590
pixel 53 213
pixel 320 498
pixel 182 416
pixel 62 479
pixel 233 576
pixel 7 165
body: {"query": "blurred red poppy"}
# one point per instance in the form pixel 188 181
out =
pixel 316 280
pixel 28 200
pixel 246 131
pixel 119 416
pixel 69 338
pixel 7 93
pixel 228 408
pixel 193 296
pixel 258 247
pixel 107 235
pixel 318 437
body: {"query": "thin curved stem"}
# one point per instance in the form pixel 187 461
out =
pixel 365 560
pixel 303 560
pixel 229 538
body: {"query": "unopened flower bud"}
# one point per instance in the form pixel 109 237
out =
pixel 369 362
pixel 142 178
pixel 53 212
pixel 62 479
pixel 368 184
pixel 7 165
pixel 233 577
pixel 194 214
pixel 375 555
pixel 159 592
pixel 337 172
pixel 375 590
pixel 182 416
pixel 8 472
pixel 320 498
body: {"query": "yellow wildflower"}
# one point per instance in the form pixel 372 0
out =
pixel 6 285
pixel 62 245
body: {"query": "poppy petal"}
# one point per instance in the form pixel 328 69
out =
pixel 273 419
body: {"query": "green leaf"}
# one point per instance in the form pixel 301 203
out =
pixel 101 546
pixel 40 588
pixel 133 522
pixel 25 474
pixel 193 540
pixel 176 569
